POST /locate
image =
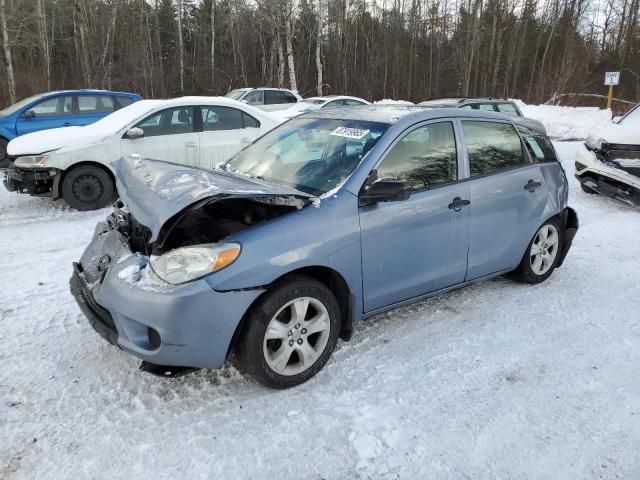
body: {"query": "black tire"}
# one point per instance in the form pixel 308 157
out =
pixel 525 272
pixel 4 161
pixel 87 187
pixel 586 189
pixel 248 348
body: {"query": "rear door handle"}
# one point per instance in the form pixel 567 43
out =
pixel 532 185
pixel 458 203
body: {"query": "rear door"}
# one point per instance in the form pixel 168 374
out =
pixel 49 113
pixel 91 108
pixel 224 132
pixel 168 135
pixel 419 245
pixel 508 196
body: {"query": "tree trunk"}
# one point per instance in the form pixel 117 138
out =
pixel 44 40
pixel 180 47
pixel 318 49
pixel 212 54
pixel 82 49
pixel 290 60
pixel 280 61
pixel 11 82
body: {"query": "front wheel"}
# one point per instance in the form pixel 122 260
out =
pixel 542 254
pixel 87 187
pixel 290 334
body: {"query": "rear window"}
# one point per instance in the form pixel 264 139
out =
pixel 508 109
pixel 538 145
pixel 492 147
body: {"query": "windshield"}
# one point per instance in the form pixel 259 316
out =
pixel 18 105
pixel 236 94
pixel 119 119
pixel 314 155
pixel 632 118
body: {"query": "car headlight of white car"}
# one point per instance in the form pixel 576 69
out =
pixel 186 264
pixel 31 161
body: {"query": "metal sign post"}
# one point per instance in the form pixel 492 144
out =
pixel 611 79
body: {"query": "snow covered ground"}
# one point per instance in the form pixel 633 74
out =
pixel 498 380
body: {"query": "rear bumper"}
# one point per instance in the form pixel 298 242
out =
pixel 571 225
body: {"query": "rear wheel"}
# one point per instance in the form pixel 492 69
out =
pixel 542 255
pixel 87 187
pixel 290 334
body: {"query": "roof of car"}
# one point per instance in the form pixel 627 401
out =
pixel 440 102
pixel 392 114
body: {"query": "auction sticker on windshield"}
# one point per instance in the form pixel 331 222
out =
pixel 355 133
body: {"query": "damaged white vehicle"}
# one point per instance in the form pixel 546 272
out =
pixel 75 162
pixel 609 163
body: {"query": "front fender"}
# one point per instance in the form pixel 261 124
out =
pixel 8 129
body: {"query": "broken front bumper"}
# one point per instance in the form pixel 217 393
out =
pixel 189 325
pixel 607 179
pixel 42 181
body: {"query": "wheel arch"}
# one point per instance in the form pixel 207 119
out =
pixel 330 278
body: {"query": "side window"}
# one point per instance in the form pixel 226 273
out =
pixel 55 106
pixel 289 97
pixel 353 102
pixel 468 107
pixel 171 121
pixel 334 103
pixel 92 104
pixel 538 145
pixel 122 102
pixel 425 157
pixel 255 98
pixel 492 147
pixel 487 107
pixel 249 121
pixel 221 118
pixel 507 109
pixel 273 97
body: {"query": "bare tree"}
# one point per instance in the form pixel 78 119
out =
pixel 8 63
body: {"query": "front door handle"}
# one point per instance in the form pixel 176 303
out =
pixel 532 185
pixel 458 203
pixel 67 124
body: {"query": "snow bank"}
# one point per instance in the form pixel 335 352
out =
pixel 567 123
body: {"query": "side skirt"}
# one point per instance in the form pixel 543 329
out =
pixel 433 294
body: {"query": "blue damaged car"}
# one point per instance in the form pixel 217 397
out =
pixel 330 218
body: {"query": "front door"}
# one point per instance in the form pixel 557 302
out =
pixel 50 113
pixel 168 135
pixel 225 131
pixel 508 197
pixel 419 245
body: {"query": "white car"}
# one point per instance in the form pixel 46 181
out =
pixel 316 103
pixel 609 162
pixel 75 162
pixel 265 98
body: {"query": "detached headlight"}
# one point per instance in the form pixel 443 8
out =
pixel 31 161
pixel 186 264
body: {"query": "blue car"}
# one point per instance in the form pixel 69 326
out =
pixel 58 109
pixel 332 217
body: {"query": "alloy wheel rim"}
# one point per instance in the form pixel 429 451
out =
pixel 544 249
pixel 87 188
pixel 296 336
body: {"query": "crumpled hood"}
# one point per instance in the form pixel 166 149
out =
pixel 154 190
pixel 616 134
pixel 52 139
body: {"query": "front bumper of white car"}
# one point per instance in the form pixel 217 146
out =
pixel 600 175
pixel 33 181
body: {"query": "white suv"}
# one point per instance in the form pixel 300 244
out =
pixel 266 98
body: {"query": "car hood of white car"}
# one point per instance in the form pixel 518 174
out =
pixel 617 134
pixel 53 139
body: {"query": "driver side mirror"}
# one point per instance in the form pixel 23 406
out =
pixel 134 133
pixel 384 191
pixel 29 114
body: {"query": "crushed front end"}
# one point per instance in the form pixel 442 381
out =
pixel 610 169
